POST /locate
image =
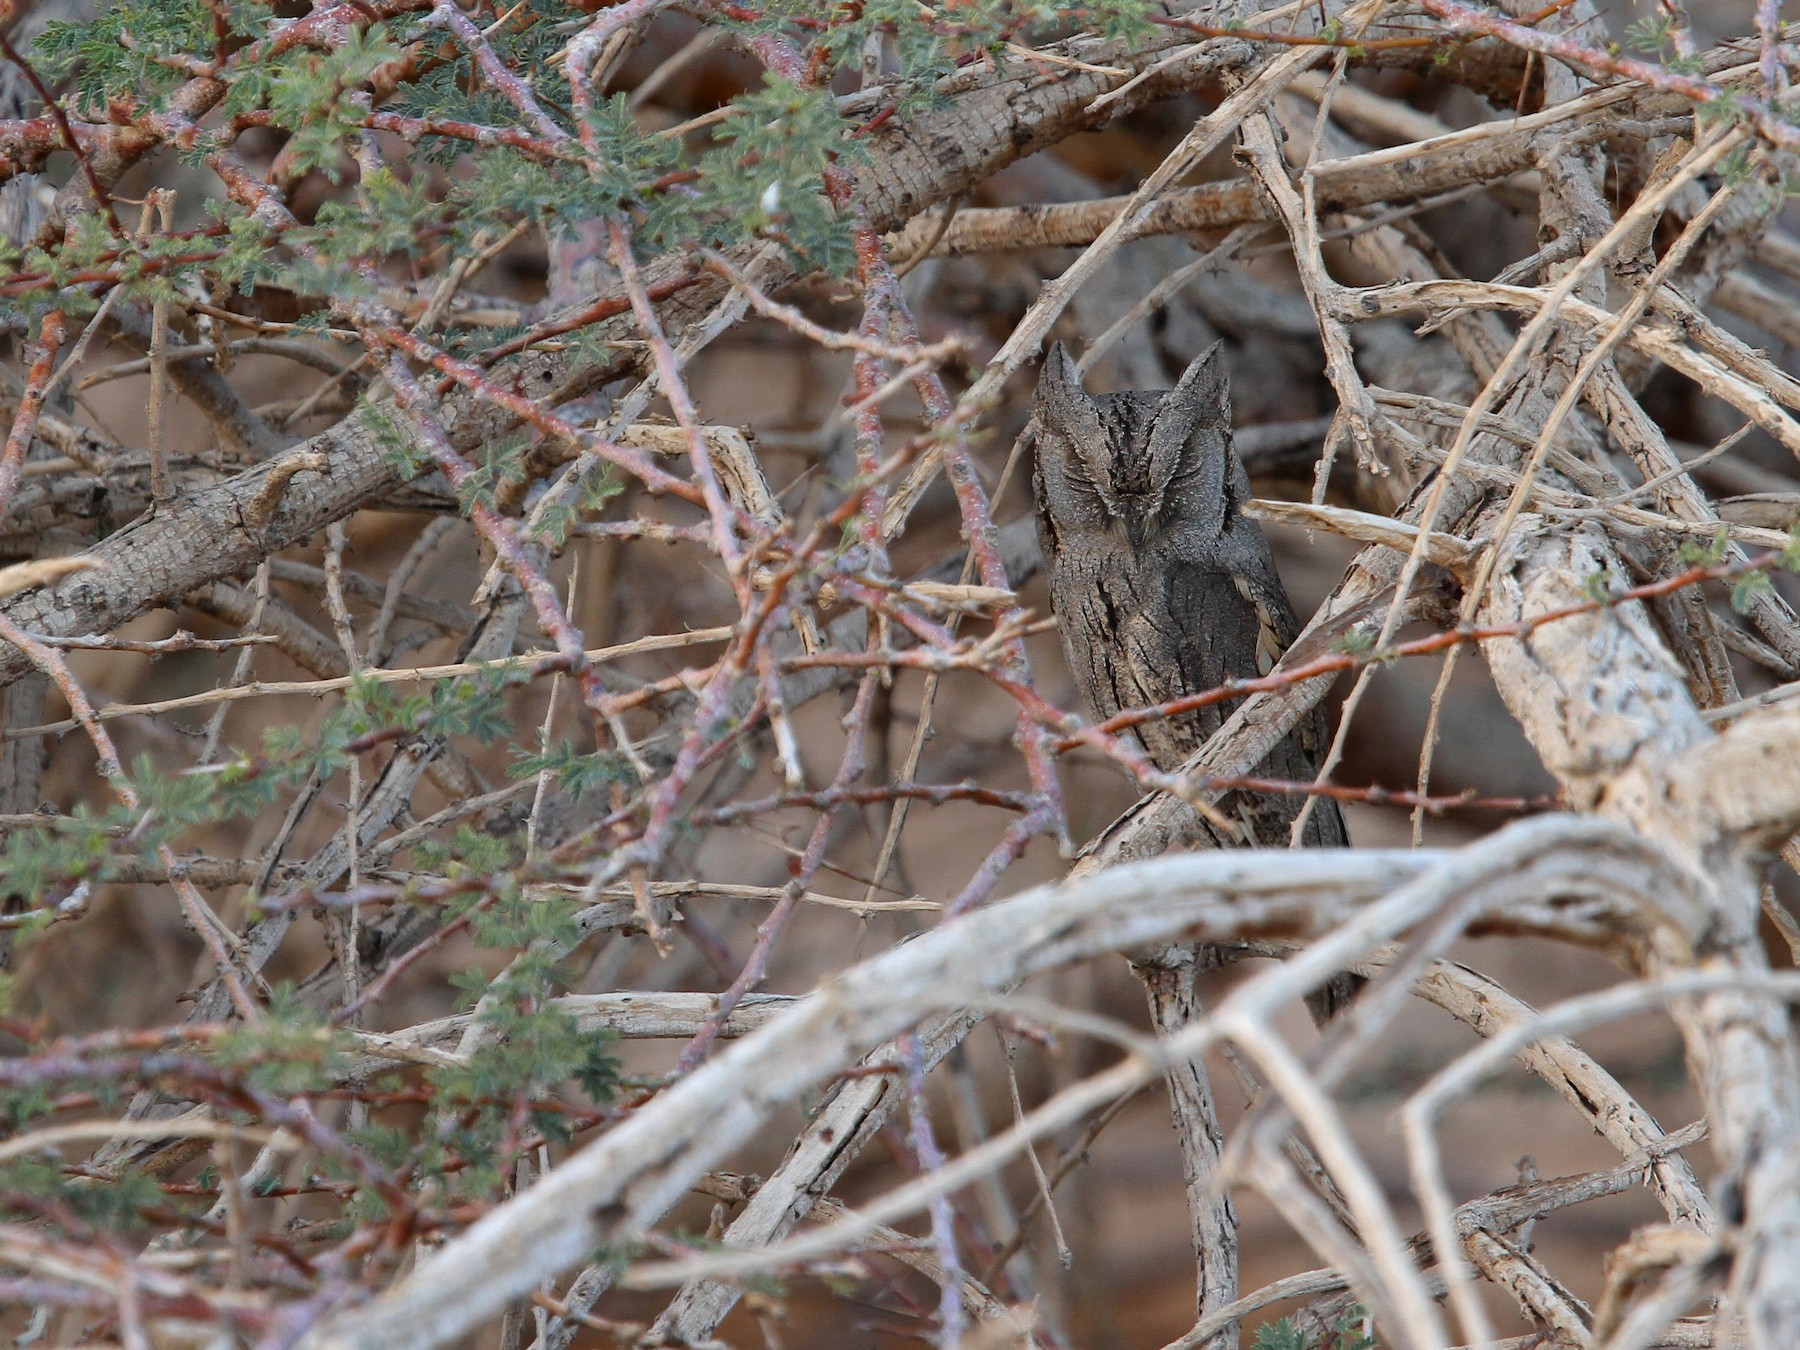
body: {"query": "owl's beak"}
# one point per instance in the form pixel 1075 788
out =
pixel 1130 529
pixel 1139 522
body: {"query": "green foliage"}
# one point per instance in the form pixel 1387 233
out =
pixel 1735 168
pixel 1116 21
pixel 1279 1335
pixel 927 41
pixel 532 1048
pixel 574 772
pixel 1283 1334
pixel 468 705
pixel 467 853
pixel 18 1106
pixel 451 90
pixel 85 249
pixel 500 465
pixel 44 860
pixel 1709 554
pixel 761 174
pixel 128 48
pixel 555 517
pixel 398 444
pixel 36 1185
pixel 1652 35
pixel 1749 588
pixel 308 93
pixel 1598 586
pixel 766 175
pixel 1727 109
pixel 168 803
pixel 385 216
pixel 511 918
pixel 560 513
pixel 502 184
pixel 248 787
pixel 531 1052
pixel 290 1050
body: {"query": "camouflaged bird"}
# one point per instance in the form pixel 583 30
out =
pixel 1161 586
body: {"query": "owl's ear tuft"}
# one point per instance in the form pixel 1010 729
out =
pixel 1059 377
pixel 1204 390
pixel 1074 454
pixel 1190 447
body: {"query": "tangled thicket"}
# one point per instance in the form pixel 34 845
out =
pixel 514 543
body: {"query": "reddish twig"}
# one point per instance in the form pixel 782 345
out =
pixel 499 532
pixel 509 86
pixel 1436 642
pixel 1462 17
pixel 38 374
pixel 674 389
pixel 72 143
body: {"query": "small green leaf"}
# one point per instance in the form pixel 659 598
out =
pixel 1750 587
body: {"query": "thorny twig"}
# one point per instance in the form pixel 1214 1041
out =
pixel 735 584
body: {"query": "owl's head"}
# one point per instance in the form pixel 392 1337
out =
pixel 1136 463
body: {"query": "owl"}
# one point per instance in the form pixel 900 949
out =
pixel 1161 585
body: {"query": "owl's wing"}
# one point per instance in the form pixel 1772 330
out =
pixel 1097 604
pixel 1236 626
pixel 1211 626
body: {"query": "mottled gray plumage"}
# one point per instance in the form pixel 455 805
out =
pixel 1160 584
pixel 1163 587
